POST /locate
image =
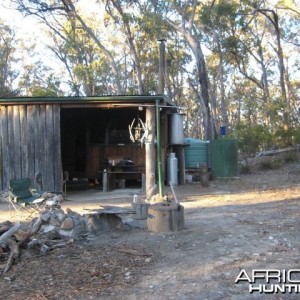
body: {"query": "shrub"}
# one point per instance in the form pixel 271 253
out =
pixel 271 163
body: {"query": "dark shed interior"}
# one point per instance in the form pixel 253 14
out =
pixel 93 139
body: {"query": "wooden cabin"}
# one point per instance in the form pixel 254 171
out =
pixel 50 140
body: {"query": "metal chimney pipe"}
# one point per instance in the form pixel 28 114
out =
pixel 162 70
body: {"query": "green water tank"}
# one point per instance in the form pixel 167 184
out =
pixel 195 153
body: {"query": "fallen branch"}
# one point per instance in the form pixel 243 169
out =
pixel 44 246
pixel 131 251
pixel 5 236
pixel 14 254
pixel 38 245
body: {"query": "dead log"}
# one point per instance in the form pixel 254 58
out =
pixel 38 245
pixel 36 226
pixel 44 246
pixel 24 236
pixel 5 226
pixel 5 236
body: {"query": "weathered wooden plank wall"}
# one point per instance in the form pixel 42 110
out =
pixel 24 142
pixel 5 146
pixel 30 144
pixel 136 154
pixel 57 163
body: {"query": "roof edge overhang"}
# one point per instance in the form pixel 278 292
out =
pixel 97 100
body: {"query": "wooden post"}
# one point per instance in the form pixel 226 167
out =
pixel 179 150
pixel 143 182
pixel 150 153
pixel 105 181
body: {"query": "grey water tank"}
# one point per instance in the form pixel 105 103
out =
pixel 195 153
pixel 176 129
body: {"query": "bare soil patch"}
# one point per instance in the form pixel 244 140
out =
pixel 246 223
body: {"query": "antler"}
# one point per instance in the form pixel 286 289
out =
pixel 130 131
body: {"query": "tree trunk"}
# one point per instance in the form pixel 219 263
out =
pixel 203 80
pixel 266 92
pixel 224 112
pixel 282 72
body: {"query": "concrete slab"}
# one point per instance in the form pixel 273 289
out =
pixel 82 201
pixel 94 195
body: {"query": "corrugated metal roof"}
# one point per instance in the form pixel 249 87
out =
pixel 118 99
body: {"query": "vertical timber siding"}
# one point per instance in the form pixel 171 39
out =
pixel 30 144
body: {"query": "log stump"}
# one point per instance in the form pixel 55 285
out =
pixel 204 176
pixel 141 210
pixel 165 217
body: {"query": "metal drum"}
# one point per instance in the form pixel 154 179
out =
pixel 176 129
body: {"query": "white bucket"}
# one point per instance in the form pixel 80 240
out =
pixel 188 178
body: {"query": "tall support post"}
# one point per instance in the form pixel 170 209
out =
pixel 150 153
pixel 158 150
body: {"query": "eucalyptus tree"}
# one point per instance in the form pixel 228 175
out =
pixel 142 26
pixel 273 18
pixel 58 11
pixel 183 17
pixel 263 42
pixel 290 34
pixel 87 68
pixel 8 73
pixel 221 25
pixel 38 80
pixel 237 46
pixel 126 21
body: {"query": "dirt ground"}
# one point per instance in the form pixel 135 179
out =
pixel 251 222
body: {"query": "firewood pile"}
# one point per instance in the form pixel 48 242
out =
pixel 53 228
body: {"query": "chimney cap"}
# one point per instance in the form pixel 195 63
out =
pixel 161 40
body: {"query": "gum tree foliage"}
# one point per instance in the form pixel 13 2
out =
pixel 38 80
pixel 230 62
pixel 8 74
pixel 87 69
pixel 54 13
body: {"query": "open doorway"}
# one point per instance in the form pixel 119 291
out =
pixel 97 139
